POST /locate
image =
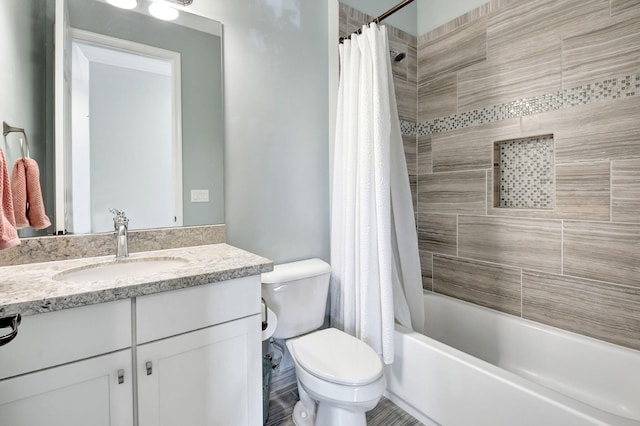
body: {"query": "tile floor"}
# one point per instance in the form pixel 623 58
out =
pixel 385 414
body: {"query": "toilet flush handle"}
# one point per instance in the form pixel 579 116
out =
pixel 280 288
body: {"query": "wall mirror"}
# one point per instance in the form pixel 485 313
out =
pixel 163 155
pixel 143 117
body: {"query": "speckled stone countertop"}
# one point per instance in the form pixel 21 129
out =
pixel 32 289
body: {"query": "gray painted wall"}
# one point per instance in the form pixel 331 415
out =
pixel 277 139
pixel 26 84
pixel 404 19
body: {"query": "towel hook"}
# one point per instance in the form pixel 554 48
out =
pixel 6 129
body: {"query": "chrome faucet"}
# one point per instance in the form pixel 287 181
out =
pixel 120 223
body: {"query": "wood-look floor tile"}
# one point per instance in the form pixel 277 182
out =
pixel 602 251
pixel 490 285
pixel 527 243
pixel 602 310
pixel 625 190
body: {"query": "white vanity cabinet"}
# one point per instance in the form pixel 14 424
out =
pixel 193 354
pixel 199 355
pixel 70 367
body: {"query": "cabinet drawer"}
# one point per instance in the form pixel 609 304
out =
pixel 55 338
pixel 170 313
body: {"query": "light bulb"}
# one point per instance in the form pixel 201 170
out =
pixel 163 11
pixel 123 4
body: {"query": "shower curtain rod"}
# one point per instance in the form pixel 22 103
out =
pixel 385 15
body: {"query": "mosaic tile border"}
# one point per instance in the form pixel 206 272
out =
pixel 592 92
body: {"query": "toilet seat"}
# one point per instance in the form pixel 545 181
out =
pixel 335 356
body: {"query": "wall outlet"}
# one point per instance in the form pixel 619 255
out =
pixel 199 195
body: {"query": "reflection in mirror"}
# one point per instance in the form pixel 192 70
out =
pixel 125 120
pixel 111 159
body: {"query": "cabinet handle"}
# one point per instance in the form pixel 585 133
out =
pixel 120 377
pixel 149 366
pixel 12 321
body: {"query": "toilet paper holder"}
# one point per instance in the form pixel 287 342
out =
pixel 265 314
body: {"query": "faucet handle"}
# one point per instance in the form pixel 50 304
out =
pixel 119 217
pixel 116 212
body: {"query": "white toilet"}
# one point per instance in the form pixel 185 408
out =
pixel 340 377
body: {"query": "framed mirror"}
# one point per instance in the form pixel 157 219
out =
pixel 144 131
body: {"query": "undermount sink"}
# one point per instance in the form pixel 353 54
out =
pixel 123 268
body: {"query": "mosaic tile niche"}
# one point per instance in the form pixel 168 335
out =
pixel 524 173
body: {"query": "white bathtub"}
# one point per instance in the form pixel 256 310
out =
pixel 480 367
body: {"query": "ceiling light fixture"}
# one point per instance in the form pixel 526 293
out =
pixel 123 4
pixel 163 11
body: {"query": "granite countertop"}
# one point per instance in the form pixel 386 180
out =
pixel 31 288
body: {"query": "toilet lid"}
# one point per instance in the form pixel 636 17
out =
pixel 335 356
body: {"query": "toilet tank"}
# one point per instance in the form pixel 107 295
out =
pixel 297 293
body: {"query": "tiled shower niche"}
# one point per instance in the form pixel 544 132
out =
pixel 524 173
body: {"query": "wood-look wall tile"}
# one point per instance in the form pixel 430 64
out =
pixel 411 153
pixel 426 266
pixel 407 99
pixel 490 285
pixel 597 131
pixel 582 193
pixel 412 64
pixel 518 29
pixel 601 310
pixel 413 183
pixel 626 7
pixel 438 233
pixel 424 154
pixel 456 192
pixel 602 251
pixel 495 82
pixel 625 191
pixel 602 53
pixel 527 243
pixel 457 49
pixel 471 147
pixel 438 97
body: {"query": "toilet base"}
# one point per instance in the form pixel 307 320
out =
pixel 301 416
pixel 331 415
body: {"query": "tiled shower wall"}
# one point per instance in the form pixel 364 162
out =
pixel 517 69
pixel 405 80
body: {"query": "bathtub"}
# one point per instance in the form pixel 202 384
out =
pixel 477 367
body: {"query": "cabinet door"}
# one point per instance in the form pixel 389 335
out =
pixel 207 377
pixel 77 394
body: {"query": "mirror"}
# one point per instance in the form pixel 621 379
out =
pixel 196 129
pixel 159 160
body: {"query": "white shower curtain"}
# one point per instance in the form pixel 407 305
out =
pixel 376 277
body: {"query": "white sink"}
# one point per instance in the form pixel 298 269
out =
pixel 124 268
